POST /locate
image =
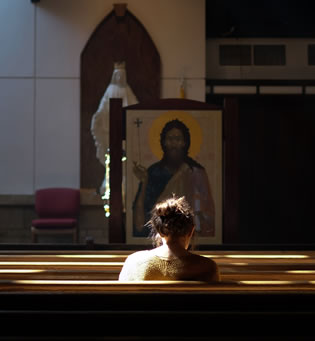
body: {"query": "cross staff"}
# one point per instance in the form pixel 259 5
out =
pixel 138 123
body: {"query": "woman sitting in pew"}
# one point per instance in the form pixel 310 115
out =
pixel 172 227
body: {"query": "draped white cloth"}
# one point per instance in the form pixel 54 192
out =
pixel 118 88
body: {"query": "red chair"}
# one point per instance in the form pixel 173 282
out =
pixel 58 211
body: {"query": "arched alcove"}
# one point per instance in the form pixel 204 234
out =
pixel 119 37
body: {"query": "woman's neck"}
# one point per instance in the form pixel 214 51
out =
pixel 173 248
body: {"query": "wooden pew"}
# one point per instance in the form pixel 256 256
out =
pixel 71 295
pixel 245 266
pixel 135 311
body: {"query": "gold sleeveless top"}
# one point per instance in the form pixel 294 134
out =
pixel 144 265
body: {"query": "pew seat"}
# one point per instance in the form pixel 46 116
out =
pixel 72 295
pixel 245 268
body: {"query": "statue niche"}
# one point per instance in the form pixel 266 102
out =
pixel 119 37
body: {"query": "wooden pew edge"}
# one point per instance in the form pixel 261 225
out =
pixel 114 286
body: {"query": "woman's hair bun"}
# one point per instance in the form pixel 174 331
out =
pixel 172 216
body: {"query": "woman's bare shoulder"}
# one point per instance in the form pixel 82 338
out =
pixel 139 255
pixel 202 259
pixel 206 265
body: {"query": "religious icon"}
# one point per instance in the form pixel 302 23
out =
pixel 118 88
pixel 174 152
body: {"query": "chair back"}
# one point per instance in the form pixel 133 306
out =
pixel 57 202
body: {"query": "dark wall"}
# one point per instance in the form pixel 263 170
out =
pixel 260 18
pixel 277 168
pixel 275 165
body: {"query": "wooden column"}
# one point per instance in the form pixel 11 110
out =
pixel 116 228
pixel 231 174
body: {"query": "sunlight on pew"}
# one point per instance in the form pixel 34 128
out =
pixel 24 271
pixel 64 263
pixel 262 256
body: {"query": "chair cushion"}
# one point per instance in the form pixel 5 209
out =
pixel 54 222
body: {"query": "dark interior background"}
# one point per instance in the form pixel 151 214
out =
pixel 277 169
pixel 263 18
pixel 276 133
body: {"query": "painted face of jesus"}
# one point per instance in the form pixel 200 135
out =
pixel 174 145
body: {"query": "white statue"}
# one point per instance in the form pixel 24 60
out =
pixel 118 88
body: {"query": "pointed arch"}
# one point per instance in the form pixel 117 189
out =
pixel 116 38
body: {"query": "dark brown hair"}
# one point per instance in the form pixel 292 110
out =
pixel 171 217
